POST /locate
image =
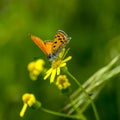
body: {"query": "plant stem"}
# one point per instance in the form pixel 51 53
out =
pixel 80 85
pixel 63 115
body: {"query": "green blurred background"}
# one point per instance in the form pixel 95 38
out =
pixel 94 26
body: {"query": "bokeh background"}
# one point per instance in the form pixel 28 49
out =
pixel 94 26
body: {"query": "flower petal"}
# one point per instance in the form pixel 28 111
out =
pixel 62 64
pixel 48 73
pixel 53 75
pixel 58 70
pixel 67 59
pixel 22 112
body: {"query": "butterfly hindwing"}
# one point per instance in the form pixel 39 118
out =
pixel 60 41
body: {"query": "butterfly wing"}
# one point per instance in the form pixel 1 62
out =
pixel 60 41
pixel 44 46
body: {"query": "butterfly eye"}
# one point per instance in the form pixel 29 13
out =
pixel 51 57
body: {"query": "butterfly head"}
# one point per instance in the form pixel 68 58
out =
pixel 52 57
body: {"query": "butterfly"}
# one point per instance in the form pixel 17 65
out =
pixel 52 48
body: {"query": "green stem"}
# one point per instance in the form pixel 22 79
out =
pixel 63 115
pixel 77 109
pixel 80 85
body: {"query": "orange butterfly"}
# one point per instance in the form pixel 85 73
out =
pixel 52 48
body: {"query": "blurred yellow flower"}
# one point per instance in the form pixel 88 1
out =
pixel 62 82
pixel 56 65
pixel 35 68
pixel 28 100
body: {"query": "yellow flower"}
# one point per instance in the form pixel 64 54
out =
pixel 56 65
pixel 35 68
pixel 29 100
pixel 62 82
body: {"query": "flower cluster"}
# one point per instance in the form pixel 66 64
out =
pixel 35 68
pixel 56 65
pixel 62 82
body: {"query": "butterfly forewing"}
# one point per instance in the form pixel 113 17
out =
pixel 48 45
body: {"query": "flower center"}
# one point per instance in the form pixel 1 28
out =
pixel 62 82
pixel 56 63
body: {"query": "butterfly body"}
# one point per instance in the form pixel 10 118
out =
pixel 54 47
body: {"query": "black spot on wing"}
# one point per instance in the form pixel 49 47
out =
pixel 55 42
pixel 59 38
pixel 62 41
pixel 63 38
